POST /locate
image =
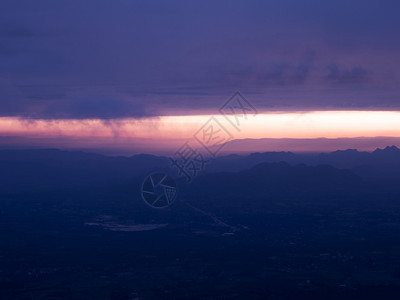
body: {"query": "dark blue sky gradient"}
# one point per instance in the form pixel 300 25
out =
pixel 112 59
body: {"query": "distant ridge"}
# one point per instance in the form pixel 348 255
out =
pixel 130 146
pixel 29 165
pixel 308 145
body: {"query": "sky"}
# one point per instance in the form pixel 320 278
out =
pixel 156 69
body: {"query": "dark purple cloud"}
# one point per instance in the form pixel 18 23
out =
pixel 106 59
pixel 343 76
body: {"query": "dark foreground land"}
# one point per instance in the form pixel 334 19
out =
pixel 274 230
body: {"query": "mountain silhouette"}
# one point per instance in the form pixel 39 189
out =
pixel 31 168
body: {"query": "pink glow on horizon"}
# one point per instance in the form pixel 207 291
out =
pixel 315 124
